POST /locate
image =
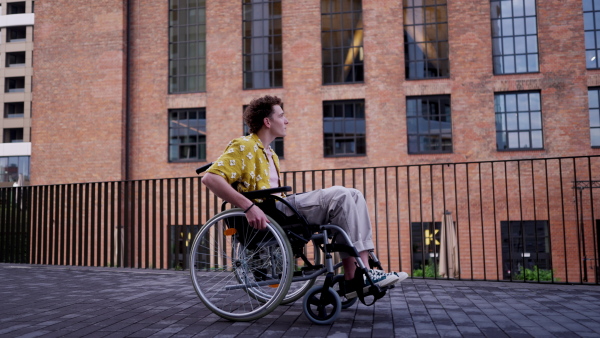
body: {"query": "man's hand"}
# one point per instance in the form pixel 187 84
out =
pixel 257 218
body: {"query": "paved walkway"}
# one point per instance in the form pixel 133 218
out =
pixel 52 301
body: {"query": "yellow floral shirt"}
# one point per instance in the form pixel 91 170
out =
pixel 245 161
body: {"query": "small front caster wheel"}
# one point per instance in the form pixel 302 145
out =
pixel 322 305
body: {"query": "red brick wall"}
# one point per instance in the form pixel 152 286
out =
pixel 78 91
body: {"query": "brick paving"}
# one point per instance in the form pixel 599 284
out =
pixel 59 301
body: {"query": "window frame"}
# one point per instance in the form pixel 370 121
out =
pixel 417 116
pixel 180 61
pixel 23 165
pixel 14 104
pixel 356 136
pixel 498 53
pixel 199 144
pixel 505 121
pixel 11 6
pixel 357 69
pixel 15 55
pixel 591 34
pixel 8 133
pixel 18 29
pixel 410 7
pixel 596 107
pixel 11 83
pixel 265 31
pixel 515 244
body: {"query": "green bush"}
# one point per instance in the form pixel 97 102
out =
pixel 431 271
pixel 533 273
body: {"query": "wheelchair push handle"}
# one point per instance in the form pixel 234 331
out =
pixel 203 168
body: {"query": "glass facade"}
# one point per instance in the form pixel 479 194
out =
pixel 13 166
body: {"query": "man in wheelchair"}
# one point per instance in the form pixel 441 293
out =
pixel 254 166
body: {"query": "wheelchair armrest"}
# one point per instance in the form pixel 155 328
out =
pixel 265 192
pixel 203 168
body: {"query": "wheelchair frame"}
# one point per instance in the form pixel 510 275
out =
pixel 243 274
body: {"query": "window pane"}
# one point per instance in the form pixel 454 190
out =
pixel 187 131
pixel 595 137
pixel 341 29
pixel 426 42
pixel 344 128
pixel 187 48
pixel 262 45
pixel 429 120
pixel 522 119
pixel 516 27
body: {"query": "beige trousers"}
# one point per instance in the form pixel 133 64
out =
pixel 341 206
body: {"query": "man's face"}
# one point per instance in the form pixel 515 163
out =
pixel 278 122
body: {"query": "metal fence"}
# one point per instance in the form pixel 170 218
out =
pixel 515 220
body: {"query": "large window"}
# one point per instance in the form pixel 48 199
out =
pixel 16 34
pixel 13 135
pixel 426 39
pixel 14 109
pixel 13 166
pixel 187 46
pixel 514 36
pixel 342 41
pixel 425 241
pixel 14 84
pixel 187 135
pixel 15 7
pixel 429 125
pixel 591 24
pixel 594 109
pixel 344 129
pixel 15 59
pixel 525 245
pixel 262 44
pixel 518 121
pixel 276 145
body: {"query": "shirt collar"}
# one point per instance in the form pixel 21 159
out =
pixel 258 141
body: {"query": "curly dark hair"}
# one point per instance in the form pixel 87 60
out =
pixel 258 109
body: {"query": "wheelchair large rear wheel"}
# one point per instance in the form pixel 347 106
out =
pixel 238 272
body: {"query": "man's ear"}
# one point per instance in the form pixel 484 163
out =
pixel 267 122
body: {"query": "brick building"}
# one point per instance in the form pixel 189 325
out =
pixel 106 82
pixel 16 48
pixel 151 89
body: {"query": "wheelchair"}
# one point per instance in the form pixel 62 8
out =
pixel 243 274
